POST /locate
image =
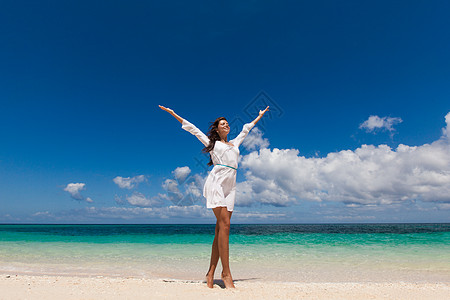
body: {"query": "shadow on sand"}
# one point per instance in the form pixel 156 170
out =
pixel 220 283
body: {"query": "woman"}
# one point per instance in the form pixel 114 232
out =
pixel 220 185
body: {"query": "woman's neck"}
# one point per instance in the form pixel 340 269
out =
pixel 223 139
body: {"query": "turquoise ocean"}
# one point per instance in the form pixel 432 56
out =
pixel 285 252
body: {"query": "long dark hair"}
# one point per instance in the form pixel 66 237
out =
pixel 213 136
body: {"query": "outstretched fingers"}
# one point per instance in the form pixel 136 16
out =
pixel 262 112
pixel 164 108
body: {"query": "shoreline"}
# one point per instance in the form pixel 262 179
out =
pixel 263 271
pixel 44 286
pixel 315 275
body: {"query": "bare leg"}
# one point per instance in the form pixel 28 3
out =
pixel 214 259
pixel 223 220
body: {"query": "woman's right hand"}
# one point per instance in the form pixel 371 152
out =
pixel 170 111
pixel 166 109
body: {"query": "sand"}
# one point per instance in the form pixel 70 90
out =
pixel 99 287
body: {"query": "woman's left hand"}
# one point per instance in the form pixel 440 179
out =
pixel 262 112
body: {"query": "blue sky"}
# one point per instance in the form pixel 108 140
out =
pixel 359 94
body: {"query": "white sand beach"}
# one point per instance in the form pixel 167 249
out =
pixel 100 287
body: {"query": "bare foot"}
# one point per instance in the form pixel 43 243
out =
pixel 210 280
pixel 228 281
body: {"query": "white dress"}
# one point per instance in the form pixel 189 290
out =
pixel 220 185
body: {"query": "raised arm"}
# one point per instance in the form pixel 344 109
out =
pixel 247 127
pixel 186 125
pixel 261 113
pixel 170 111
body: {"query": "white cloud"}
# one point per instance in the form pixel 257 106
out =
pixel 376 123
pixel 181 173
pixel 187 192
pixel 370 175
pixel 171 186
pixel 88 214
pixel 194 187
pixel 185 189
pixel 444 206
pixel 118 199
pixel 254 140
pixel 347 218
pixel 44 214
pixel 262 191
pixel 259 216
pixel 74 191
pixel 128 182
pixel 138 199
pixel 446 130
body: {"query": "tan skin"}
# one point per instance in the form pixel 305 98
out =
pixel 220 246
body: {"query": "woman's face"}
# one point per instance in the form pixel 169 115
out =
pixel 223 128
